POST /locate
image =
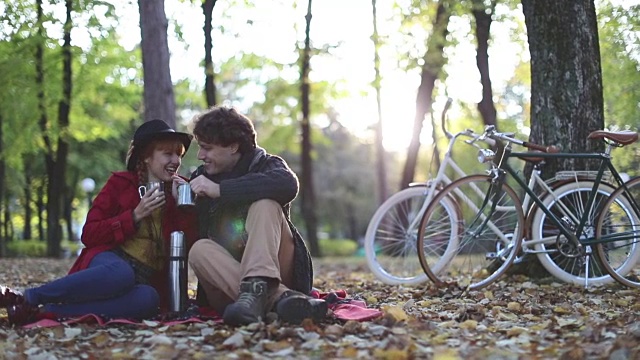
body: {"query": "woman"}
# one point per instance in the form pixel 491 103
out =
pixel 122 271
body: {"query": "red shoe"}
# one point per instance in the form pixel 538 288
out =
pixel 22 314
pixel 9 297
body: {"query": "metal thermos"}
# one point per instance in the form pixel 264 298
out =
pixel 177 273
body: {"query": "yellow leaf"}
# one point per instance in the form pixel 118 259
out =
pixel 397 312
pixel 561 310
pixel 469 325
pixel 514 306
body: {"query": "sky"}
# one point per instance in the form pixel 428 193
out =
pixel 348 22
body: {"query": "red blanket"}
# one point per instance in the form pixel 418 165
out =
pixel 342 307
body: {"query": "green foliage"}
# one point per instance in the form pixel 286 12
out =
pixel 620 58
pixel 37 248
pixel 337 247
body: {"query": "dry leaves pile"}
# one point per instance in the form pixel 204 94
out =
pixel 513 319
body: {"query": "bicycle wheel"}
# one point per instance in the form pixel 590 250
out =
pixel 390 241
pixel 556 253
pixel 486 240
pixel 618 228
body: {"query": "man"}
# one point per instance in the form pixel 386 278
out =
pixel 251 258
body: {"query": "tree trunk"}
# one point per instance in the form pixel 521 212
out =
pixel 433 63
pixel 307 189
pixel 28 195
pixel 159 101
pixel 209 74
pixel 41 212
pixel 6 223
pixel 43 122
pixel 566 78
pixel 483 32
pixel 566 85
pixel 3 190
pixel 381 167
pixel 56 190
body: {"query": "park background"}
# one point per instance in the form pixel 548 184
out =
pixel 256 53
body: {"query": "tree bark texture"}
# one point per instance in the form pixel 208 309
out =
pixel 483 16
pixel 159 100
pixel 57 185
pixel 3 235
pixel 209 74
pixel 431 69
pixel 381 167
pixel 307 188
pixel 566 78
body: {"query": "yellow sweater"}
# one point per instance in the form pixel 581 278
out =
pixel 147 245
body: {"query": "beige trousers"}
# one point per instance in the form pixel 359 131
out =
pixel 268 253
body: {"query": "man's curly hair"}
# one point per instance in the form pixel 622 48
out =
pixel 225 126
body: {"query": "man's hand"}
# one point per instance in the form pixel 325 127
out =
pixel 201 186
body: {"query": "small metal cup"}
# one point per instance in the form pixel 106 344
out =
pixel 185 195
pixel 142 189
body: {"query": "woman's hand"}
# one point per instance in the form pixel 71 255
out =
pixel 151 201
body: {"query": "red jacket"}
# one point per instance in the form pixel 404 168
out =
pixel 110 223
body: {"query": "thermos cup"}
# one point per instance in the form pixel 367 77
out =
pixel 185 195
pixel 149 187
pixel 177 273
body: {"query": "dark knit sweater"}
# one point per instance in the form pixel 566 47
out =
pixel 256 176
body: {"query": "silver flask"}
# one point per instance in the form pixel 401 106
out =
pixel 177 273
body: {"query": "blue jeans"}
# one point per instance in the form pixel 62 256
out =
pixel 107 287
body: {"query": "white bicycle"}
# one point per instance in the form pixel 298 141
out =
pixel 391 237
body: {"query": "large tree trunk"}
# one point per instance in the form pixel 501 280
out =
pixel 381 167
pixel 566 85
pixel 307 190
pixel 209 74
pixel 159 101
pixel 566 78
pixel 433 63
pixel 56 190
pixel 483 16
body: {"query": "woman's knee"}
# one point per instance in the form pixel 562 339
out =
pixel 117 268
pixel 146 300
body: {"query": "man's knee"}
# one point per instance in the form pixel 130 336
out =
pixel 202 250
pixel 265 205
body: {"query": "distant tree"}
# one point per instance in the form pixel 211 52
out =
pixel 432 64
pixel 307 188
pixel 159 100
pixel 381 173
pixel 483 18
pixel 209 74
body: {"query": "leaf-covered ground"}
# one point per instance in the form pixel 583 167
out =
pixel 512 319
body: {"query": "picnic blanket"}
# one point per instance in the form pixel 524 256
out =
pixel 342 307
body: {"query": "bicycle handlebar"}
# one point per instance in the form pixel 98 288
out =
pixel 491 133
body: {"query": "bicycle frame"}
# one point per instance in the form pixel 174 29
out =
pixel 605 164
pixel 441 176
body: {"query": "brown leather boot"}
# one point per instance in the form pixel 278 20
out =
pixel 22 314
pixel 251 304
pixel 10 297
pixel 293 307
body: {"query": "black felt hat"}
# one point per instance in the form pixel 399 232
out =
pixel 153 130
